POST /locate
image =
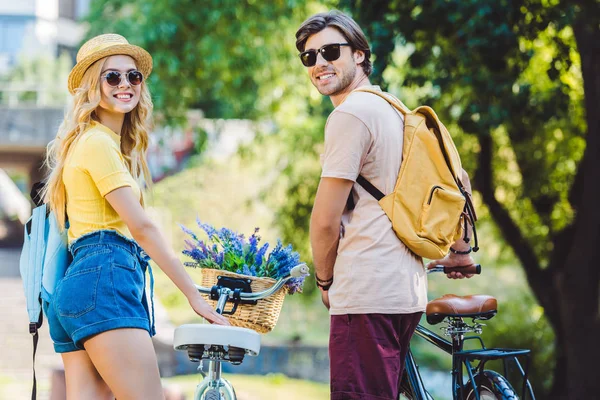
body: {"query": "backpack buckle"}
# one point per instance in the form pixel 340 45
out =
pixel 33 328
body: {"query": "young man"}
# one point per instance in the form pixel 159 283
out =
pixel 375 288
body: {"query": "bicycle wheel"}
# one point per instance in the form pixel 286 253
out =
pixel 212 394
pixel 492 386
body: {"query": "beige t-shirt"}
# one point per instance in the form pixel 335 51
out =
pixel 374 271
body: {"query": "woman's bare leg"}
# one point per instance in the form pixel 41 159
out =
pixel 82 379
pixel 126 360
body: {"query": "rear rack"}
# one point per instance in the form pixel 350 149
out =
pixel 506 355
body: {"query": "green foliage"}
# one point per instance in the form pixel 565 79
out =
pixel 524 327
pixel 501 74
pixel 200 142
pixel 271 386
pixel 225 57
pixel 236 60
pixel 505 69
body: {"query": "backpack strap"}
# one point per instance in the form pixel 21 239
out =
pixel 393 100
pixel 34 330
pixel 361 180
pixel 432 122
pixel 36 286
pixel 36 196
pixel 369 187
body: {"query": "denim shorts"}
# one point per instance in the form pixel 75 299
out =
pixel 103 289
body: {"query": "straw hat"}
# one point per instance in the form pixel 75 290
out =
pixel 101 46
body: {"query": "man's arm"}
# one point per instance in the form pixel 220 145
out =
pixel 325 222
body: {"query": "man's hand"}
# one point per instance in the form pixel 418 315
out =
pixel 454 260
pixel 325 297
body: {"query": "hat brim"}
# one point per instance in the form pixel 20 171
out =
pixel 143 61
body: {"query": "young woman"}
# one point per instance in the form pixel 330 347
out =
pixel 99 318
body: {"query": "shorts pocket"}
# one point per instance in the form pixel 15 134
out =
pixel 128 279
pixel 129 264
pixel 76 294
pixel 85 256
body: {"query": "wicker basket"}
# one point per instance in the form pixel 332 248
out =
pixel 261 317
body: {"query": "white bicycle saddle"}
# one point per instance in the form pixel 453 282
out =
pixel 216 335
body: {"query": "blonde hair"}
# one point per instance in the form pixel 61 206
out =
pixel 79 116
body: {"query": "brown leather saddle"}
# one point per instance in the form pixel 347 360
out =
pixel 479 306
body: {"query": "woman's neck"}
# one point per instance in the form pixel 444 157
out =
pixel 113 121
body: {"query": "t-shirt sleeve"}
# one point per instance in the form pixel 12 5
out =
pixel 347 143
pixel 101 157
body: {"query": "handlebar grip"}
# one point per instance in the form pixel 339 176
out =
pixel 469 269
pixel 299 271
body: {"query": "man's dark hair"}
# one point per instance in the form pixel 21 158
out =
pixel 345 25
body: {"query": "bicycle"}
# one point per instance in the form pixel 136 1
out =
pixel 482 384
pixel 219 344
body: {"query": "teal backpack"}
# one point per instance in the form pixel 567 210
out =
pixel 44 260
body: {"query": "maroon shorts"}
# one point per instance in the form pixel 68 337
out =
pixel 367 353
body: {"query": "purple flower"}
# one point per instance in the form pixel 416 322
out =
pixel 189 232
pixel 228 250
pixel 246 270
pixel 203 247
pixel 210 231
pixel 195 254
pixel 258 260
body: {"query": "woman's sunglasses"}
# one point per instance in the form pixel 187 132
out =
pixel 330 52
pixel 114 78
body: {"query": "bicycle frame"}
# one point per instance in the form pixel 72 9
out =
pixel 460 358
pixel 411 368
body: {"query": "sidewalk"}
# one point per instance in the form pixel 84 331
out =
pixel 16 344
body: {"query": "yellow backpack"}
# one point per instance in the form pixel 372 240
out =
pixel 429 207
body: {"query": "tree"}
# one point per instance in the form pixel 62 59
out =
pixel 225 57
pixel 523 76
pixel 521 79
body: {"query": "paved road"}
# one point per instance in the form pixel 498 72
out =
pixel 16 342
pixel 16 346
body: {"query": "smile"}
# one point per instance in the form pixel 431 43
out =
pixel 324 77
pixel 124 96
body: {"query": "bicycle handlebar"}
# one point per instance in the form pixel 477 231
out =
pixel 298 271
pixel 469 269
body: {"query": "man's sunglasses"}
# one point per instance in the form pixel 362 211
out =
pixel 114 78
pixel 330 52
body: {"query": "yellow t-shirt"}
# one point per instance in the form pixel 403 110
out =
pixel 93 168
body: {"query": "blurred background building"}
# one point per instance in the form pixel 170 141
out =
pixel 32 28
pixel 34 34
pixel 39 40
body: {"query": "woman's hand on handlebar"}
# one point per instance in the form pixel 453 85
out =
pixel 203 309
pixel 454 260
